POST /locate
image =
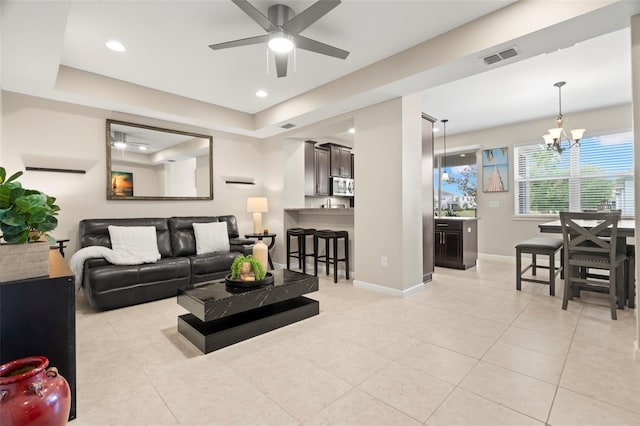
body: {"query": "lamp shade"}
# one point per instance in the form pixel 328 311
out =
pixel 577 134
pixel 257 205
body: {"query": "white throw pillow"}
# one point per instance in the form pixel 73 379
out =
pixel 211 237
pixel 140 242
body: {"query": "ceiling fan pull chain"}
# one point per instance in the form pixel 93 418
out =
pixel 295 56
pixel 267 50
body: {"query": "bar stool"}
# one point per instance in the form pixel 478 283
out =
pixel 300 252
pixel 331 236
pixel 540 245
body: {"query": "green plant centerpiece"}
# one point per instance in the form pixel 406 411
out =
pixel 247 268
pixel 26 215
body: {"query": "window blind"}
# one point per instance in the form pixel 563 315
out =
pixel 597 173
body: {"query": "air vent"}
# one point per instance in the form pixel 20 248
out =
pixel 497 57
pixel 492 59
pixel 509 53
pixel 288 126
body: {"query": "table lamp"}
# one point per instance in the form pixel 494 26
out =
pixel 257 206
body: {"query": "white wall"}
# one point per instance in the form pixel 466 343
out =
pixel 635 87
pixel 498 229
pixel 55 129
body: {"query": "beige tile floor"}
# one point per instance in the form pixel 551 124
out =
pixel 469 350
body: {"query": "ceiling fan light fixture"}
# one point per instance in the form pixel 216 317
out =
pixel 280 42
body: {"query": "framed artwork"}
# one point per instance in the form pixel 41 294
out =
pixel 495 170
pixel 121 184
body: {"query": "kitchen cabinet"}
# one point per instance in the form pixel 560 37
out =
pixel 353 174
pixel 316 170
pixel 321 171
pixel 340 161
pixel 456 243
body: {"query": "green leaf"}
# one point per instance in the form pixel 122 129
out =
pixel 14 176
pixel 3 174
pixel 12 218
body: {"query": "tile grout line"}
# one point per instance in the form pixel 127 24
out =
pixel 555 394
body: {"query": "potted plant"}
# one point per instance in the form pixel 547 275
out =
pixel 247 268
pixel 26 216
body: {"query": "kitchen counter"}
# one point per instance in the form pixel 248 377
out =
pixel 322 211
pixel 454 218
pixel 337 219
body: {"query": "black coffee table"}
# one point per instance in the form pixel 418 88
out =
pixel 221 315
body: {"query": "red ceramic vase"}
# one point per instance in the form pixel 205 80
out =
pixel 32 394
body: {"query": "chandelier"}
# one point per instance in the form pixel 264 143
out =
pixel 445 176
pixel 556 136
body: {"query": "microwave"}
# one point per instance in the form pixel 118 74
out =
pixel 342 187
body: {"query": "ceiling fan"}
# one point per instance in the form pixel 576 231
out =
pixel 284 27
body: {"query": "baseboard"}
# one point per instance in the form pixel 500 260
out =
pixel 636 350
pixel 498 257
pixel 389 291
pixel 310 268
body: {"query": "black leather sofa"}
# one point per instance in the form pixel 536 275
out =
pixel 109 286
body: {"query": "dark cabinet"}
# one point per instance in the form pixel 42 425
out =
pixel 340 161
pixel 38 317
pixel 316 170
pixel 456 243
pixel 353 173
pixel 321 171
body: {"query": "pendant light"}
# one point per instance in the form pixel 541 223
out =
pixel 445 176
pixel 553 140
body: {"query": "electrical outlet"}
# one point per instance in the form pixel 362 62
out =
pixel 383 262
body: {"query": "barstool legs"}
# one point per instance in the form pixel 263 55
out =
pixel 328 257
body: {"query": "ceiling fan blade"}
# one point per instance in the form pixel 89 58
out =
pixel 281 64
pixel 310 15
pixel 241 42
pixel 255 14
pixel 317 47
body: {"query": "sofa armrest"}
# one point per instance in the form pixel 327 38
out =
pixel 244 249
pixel 241 242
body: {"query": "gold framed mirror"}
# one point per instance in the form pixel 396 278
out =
pixel 152 163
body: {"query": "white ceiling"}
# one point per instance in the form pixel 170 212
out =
pixel 167 50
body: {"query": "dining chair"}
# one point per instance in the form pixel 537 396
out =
pixel 590 242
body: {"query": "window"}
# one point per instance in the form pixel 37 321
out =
pixel 597 173
pixel 457 197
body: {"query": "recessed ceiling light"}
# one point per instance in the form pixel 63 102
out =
pixel 114 45
pixel 463 155
pixel 142 148
pixel 261 93
pixel 120 144
pixel 352 130
pixel 435 129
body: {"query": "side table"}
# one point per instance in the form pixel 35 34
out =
pixel 272 242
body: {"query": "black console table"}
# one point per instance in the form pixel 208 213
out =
pixel 38 317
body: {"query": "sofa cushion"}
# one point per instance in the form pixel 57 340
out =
pixel 111 286
pixel 139 242
pixel 183 239
pixel 118 277
pixel 211 237
pixel 211 266
pixel 232 225
pixel 95 232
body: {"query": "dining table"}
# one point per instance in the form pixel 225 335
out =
pixel 626 229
